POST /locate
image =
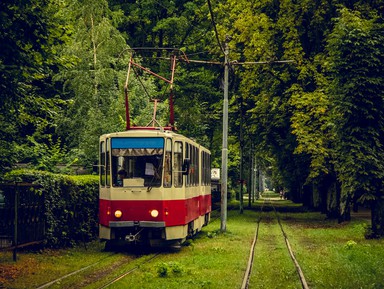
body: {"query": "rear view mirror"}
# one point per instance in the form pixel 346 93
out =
pixel 186 165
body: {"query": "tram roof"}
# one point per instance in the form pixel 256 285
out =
pixel 141 132
pixel 147 132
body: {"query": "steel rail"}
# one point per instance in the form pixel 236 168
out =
pixel 248 270
pixel 247 274
pixel 72 273
pixel 121 276
pixel 296 263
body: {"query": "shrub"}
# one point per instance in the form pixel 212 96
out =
pixel 70 204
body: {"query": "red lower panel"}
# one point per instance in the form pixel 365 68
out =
pixel 172 212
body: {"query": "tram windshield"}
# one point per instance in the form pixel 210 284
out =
pixel 137 161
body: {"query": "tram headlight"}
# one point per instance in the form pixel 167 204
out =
pixel 154 213
pixel 118 214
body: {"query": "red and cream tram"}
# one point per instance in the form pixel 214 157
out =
pixel 154 183
pixel 154 186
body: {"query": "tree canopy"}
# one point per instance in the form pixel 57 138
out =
pixel 314 123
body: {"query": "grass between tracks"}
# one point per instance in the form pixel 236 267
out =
pixel 273 267
pixel 331 256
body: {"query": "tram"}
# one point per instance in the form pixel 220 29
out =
pixel 154 185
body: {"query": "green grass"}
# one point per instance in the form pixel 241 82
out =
pixel 213 260
pixel 331 255
pixel 34 268
pixel 273 267
pixel 336 255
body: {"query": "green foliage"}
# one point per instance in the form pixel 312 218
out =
pixel 317 120
pixel 70 203
pixel 356 52
pixel 93 77
pixel 30 33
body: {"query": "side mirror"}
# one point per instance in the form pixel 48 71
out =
pixel 185 167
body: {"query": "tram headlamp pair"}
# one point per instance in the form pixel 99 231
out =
pixel 119 214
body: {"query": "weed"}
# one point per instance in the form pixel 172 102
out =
pixel 350 244
pixel 166 268
pixel 162 270
pixel 212 234
pixel 218 249
pixel 176 268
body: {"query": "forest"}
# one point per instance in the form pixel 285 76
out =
pixel 306 88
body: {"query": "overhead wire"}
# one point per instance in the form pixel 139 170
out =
pixel 214 26
pixel 142 84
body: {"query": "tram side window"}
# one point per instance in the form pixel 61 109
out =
pixel 102 164
pixel 203 164
pixel 107 165
pixel 168 164
pixel 193 166
pixel 193 177
pixel 188 156
pixel 178 164
pixel 197 166
pixel 206 169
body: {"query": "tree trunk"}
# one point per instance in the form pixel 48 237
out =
pixel 333 201
pixel 378 217
pixel 345 209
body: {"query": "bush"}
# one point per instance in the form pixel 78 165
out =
pixel 70 203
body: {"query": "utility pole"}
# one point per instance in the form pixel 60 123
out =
pixel 224 152
pixel 251 179
pixel 241 157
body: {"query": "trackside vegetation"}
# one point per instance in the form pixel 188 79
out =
pixel 70 205
pixel 331 255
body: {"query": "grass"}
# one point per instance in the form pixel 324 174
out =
pixel 337 251
pixel 331 255
pixel 213 260
pixel 35 268
pixel 273 267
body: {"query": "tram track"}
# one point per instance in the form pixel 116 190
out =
pixel 248 271
pixel 50 283
pixel 128 272
pixel 106 279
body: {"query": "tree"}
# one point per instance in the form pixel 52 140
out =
pixel 356 53
pixel 30 33
pixel 93 78
pixel 182 25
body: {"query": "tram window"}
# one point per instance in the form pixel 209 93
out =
pixel 194 171
pixel 102 164
pixel 168 164
pixel 202 155
pixel 107 165
pixel 178 164
pixel 209 170
pixel 137 161
pixel 197 167
pixel 193 166
pixel 203 161
pixel 187 157
pixel 206 168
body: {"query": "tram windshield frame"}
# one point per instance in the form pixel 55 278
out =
pixel 137 161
